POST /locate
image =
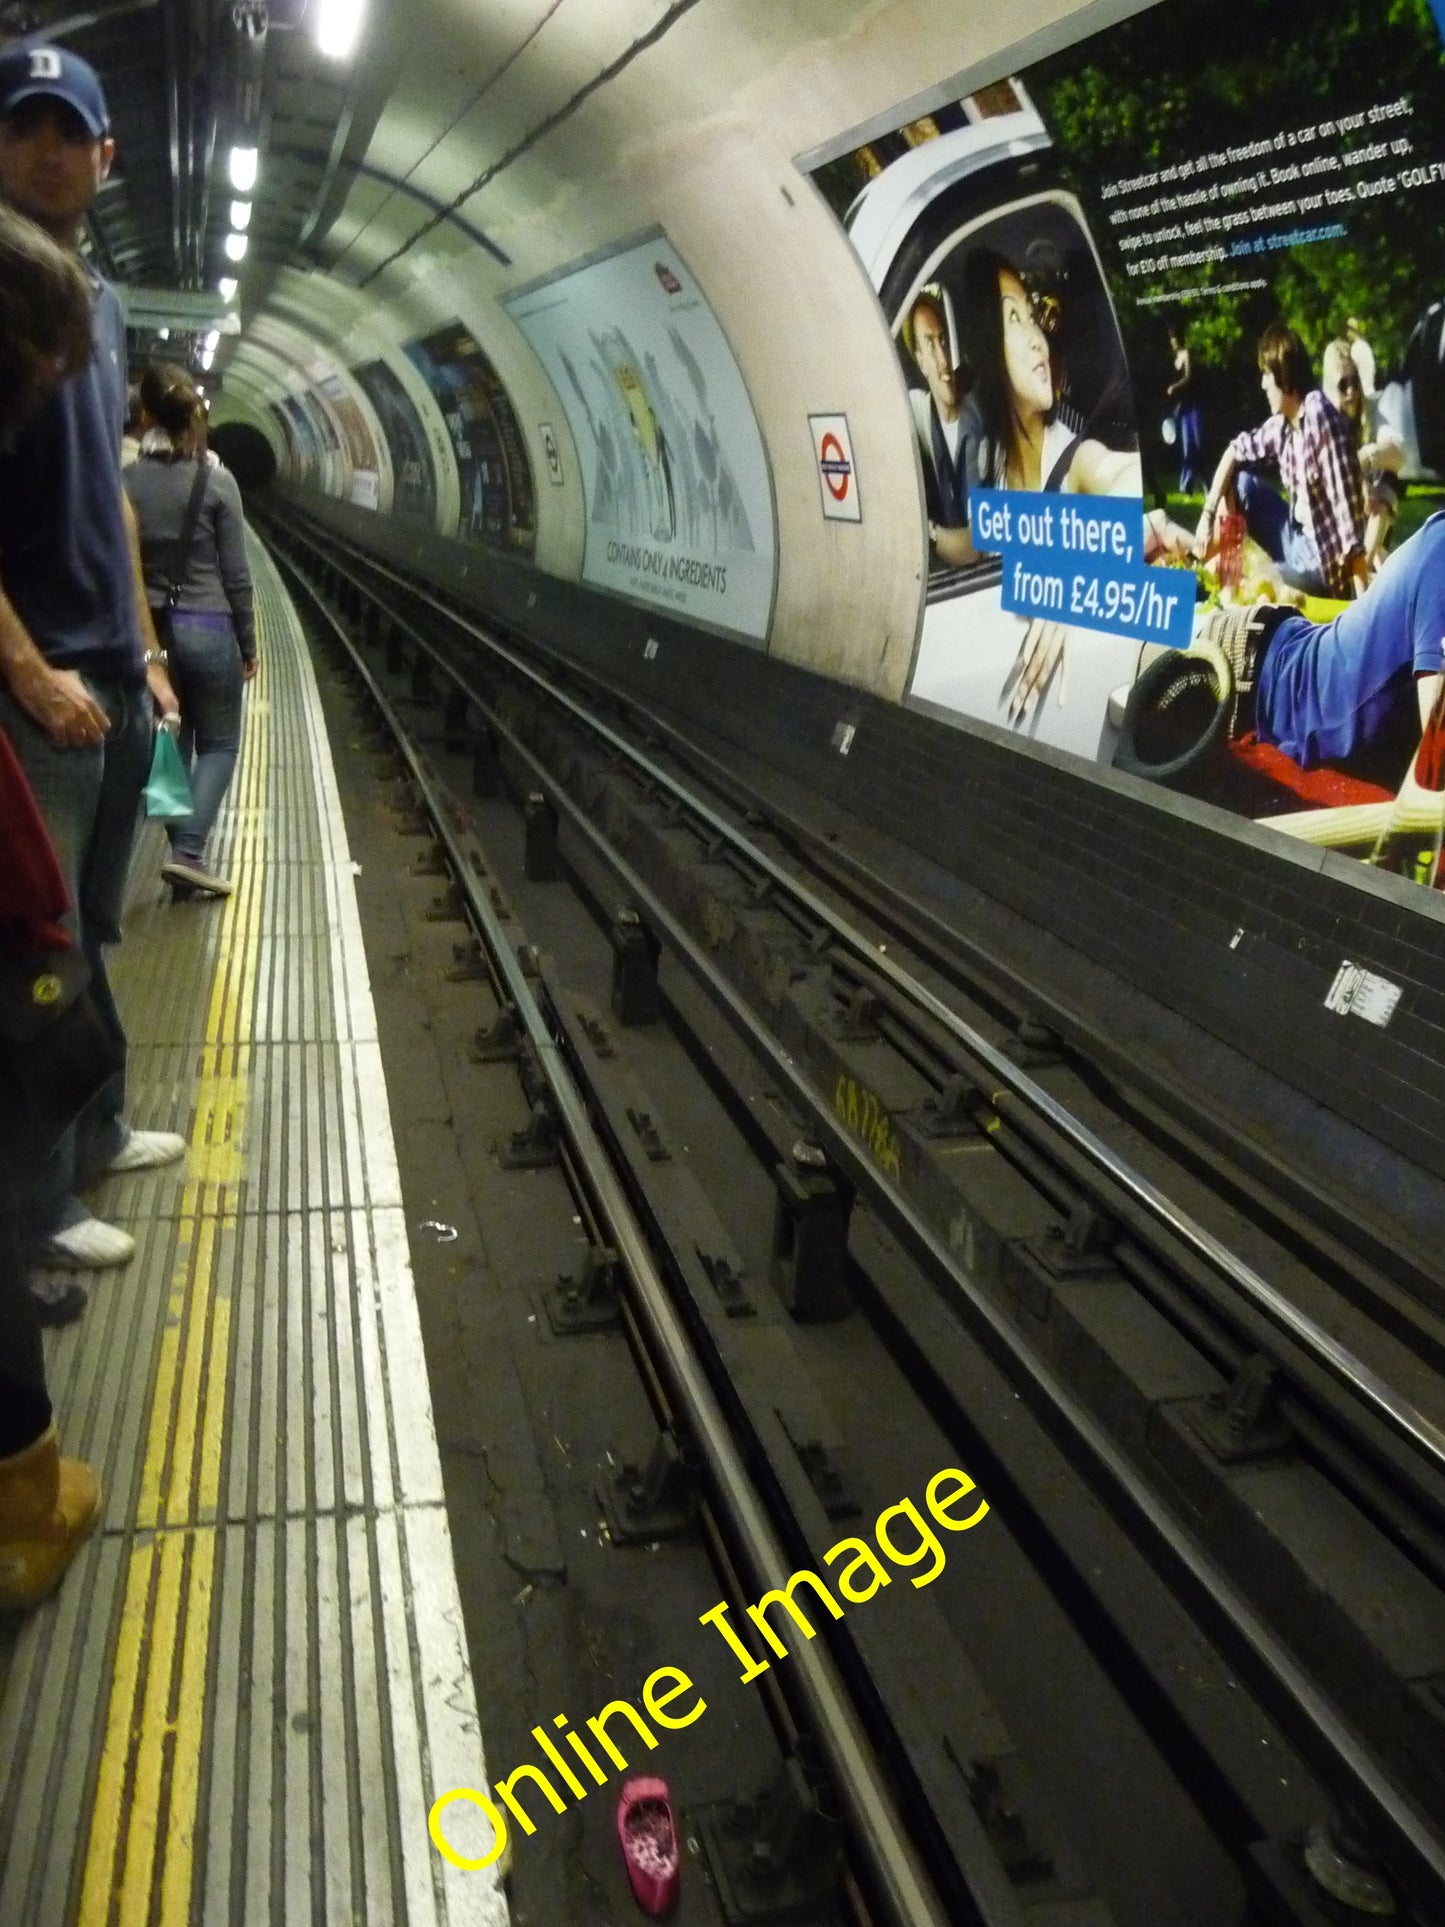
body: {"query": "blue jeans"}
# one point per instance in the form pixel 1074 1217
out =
pixel 1192 476
pixel 90 799
pixel 1267 516
pixel 204 665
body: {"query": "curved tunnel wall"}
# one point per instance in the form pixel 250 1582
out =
pixel 714 171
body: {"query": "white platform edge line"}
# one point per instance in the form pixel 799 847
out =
pixel 452 1747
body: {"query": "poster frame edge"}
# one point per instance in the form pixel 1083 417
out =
pixel 654 231
pixel 1069 30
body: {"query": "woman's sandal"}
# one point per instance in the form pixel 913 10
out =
pixel 647 1835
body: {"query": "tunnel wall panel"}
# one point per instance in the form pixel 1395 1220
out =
pixel 1227 924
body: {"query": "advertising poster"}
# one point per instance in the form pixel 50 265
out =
pixel 679 498
pixel 1170 308
pixel 365 485
pixel 414 496
pixel 288 437
pixel 326 440
pixel 307 447
pixel 492 466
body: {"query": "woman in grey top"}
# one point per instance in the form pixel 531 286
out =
pixel 212 646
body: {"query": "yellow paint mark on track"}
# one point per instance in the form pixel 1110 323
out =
pixel 140 1854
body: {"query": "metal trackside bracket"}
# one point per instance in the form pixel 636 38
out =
pixel 535 1148
pixel 486 764
pixel 1243 1423
pixel 1033 1046
pixel 540 861
pixel 499 1042
pixel 810 1235
pixel 585 1301
pixel 635 951
pixel 658 1500
pixel 776 1861
pixel 423 689
pixel 454 721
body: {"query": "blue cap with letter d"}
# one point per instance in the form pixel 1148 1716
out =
pixel 54 73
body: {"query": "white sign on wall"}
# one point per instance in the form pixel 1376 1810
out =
pixel 837 477
pixel 679 498
pixel 552 453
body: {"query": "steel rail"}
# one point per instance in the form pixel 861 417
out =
pixel 1294 1698
pixel 1398 1412
pixel 891 1855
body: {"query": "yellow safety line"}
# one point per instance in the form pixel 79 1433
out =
pixel 142 1830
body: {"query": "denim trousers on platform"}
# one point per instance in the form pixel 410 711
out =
pixel 90 799
pixel 204 665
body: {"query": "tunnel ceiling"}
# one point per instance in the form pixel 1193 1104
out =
pixel 499 132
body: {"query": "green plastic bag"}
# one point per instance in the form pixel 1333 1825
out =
pixel 168 792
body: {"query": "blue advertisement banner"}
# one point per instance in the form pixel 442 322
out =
pixel 1079 559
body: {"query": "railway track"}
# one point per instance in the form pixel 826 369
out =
pixel 1226 1433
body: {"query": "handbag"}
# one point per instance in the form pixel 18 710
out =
pixel 181 556
pixel 56 1052
pixel 168 789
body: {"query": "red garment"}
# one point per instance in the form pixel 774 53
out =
pixel 33 896
pixel 1430 762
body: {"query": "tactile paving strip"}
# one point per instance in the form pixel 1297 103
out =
pixel 253 1684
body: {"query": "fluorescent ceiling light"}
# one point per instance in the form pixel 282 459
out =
pixel 338 26
pixel 243 168
pixel 207 358
pixel 240 214
pixel 165 334
pixel 235 247
pixel 226 287
pixel 213 340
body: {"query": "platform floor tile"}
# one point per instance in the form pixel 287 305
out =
pixel 245 1697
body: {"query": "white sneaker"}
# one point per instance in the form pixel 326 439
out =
pixel 91 1245
pixel 145 1150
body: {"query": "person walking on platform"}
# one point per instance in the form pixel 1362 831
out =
pixel 47 1504
pixel 193 547
pixel 80 668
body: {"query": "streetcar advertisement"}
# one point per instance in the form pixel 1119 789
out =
pixel 1170 309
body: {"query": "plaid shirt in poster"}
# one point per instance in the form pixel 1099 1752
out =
pixel 1316 461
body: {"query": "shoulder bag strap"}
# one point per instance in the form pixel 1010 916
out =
pixel 1055 477
pixel 187 535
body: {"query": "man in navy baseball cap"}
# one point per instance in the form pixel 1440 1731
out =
pixel 55 145
pixel 28 73
pixel 79 661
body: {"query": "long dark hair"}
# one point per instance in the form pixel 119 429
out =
pixel 169 397
pixel 980 328
pixel 45 319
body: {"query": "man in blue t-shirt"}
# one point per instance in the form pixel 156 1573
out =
pixel 78 656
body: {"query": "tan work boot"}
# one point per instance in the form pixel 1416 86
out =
pixel 47 1506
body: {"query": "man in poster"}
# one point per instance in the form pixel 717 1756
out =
pixel 944 427
pixel 1317 535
